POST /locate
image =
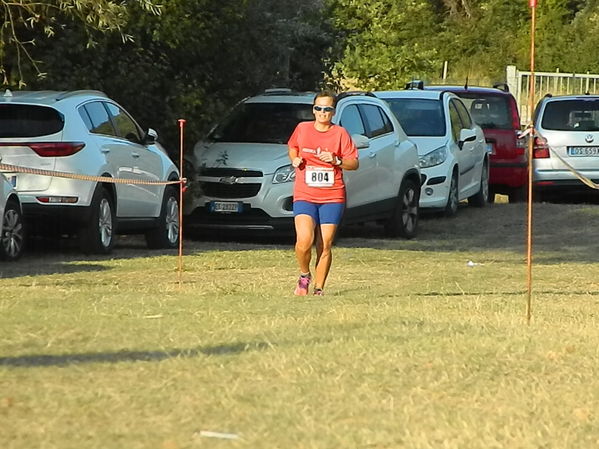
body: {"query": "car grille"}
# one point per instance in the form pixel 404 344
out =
pixel 223 172
pixel 218 190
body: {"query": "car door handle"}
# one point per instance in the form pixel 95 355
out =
pixel 105 150
pixel 135 155
pixel 371 155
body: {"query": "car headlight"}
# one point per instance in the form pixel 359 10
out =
pixel 284 174
pixel 435 157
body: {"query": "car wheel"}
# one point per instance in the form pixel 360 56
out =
pixel 482 196
pixel 404 220
pixel 492 194
pixel 518 195
pixel 166 235
pixel 451 209
pixel 97 237
pixel 12 240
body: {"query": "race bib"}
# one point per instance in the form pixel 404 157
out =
pixel 320 176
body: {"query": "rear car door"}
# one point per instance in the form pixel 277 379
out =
pixel 361 183
pixel 146 164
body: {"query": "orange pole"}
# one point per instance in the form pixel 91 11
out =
pixel 181 191
pixel 531 97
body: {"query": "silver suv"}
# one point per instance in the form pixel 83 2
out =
pixel 86 133
pixel 242 178
pixel 566 145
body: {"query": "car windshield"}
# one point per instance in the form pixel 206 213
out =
pixel 20 120
pixel 572 115
pixel 488 111
pixel 262 122
pixel 419 117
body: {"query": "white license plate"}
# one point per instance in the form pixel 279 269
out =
pixel 225 207
pixel 583 151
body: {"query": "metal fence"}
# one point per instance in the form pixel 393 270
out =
pixel 555 83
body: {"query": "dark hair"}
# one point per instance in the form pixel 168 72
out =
pixel 326 94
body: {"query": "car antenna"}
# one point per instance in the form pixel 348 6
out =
pixel 466 83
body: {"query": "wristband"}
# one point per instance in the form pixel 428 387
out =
pixel 338 161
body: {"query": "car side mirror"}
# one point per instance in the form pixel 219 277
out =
pixel 360 141
pixel 466 135
pixel 151 137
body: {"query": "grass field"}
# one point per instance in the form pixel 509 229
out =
pixel 410 347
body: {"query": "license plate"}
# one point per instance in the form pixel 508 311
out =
pixel 225 207
pixel 583 151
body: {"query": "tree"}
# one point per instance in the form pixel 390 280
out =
pixel 387 42
pixel 24 19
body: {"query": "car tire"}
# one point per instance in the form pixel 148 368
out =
pixel 98 236
pixel 480 198
pixel 492 194
pixel 518 194
pixel 403 222
pixel 12 240
pixel 166 234
pixel 451 209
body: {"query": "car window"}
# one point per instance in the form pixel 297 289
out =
pixel 571 115
pixel 419 117
pixel 456 121
pixel 98 118
pixel 374 120
pixel 17 120
pixel 125 125
pixel 488 111
pixel 262 122
pixel 352 121
pixel 463 113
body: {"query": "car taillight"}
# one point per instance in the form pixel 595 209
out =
pixel 540 148
pixel 55 149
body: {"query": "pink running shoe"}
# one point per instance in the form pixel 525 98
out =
pixel 302 286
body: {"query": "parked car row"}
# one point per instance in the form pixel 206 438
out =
pixel 87 134
pixel 417 149
pixel 421 148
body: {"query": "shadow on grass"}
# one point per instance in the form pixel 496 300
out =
pixel 42 360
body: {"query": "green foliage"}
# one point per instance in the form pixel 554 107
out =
pixel 389 42
pixel 26 22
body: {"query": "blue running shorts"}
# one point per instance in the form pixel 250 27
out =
pixel 321 213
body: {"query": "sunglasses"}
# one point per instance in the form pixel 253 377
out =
pixel 324 108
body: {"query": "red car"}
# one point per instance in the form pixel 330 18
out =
pixel 495 110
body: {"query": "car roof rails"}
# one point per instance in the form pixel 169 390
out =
pixel 278 91
pixel 353 93
pixel 72 93
pixel 415 84
pixel 502 86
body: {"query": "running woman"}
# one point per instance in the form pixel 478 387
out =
pixel 319 151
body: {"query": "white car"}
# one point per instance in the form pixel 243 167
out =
pixel 452 150
pixel 566 146
pixel 12 235
pixel 87 134
pixel 242 178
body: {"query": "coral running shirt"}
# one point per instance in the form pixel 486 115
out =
pixel 317 181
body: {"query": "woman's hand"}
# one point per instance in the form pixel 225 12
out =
pixel 296 161
pixel 326 156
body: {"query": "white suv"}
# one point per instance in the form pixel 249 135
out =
pixel 242 178
pixel 12 235
pixel 86 133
